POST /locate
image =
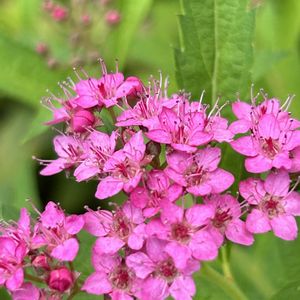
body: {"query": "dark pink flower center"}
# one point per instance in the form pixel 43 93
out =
pixel 270 147
pixel 167 270
pixel 180 232
pixel 221 218
pixel 121 225
pixel 272 206
pixel 195 175
pixel 126 169
pixel 121 278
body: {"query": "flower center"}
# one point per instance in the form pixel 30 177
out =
pixel 195 175
pixel 180 232
pixel 167 270
pixel 121 225
pixel 221 218
pixel 270 147
pixel 121 278
pixel 272 206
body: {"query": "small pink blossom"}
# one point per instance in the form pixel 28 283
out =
pixel 225 220
pixel 70 150
pixel 100 147
pixel 12 254
pixel 58 232
pixel 59 13
pixel 114 230
pixel 113 17
pixel 112 276
pixel 269 146
pixel 158 190
pixel 161 277
pixel 183 229
pixel 273 206
pixel 124 168
pixel 199 172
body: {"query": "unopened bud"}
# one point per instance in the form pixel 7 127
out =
pixel 60 279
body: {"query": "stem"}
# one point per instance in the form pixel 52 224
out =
pixel 226 284
pixel 34 278
pixel 76 288
pixel 225 264
pixel 113 115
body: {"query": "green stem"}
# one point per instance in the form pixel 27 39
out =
pixel 226 284
pixel 113 115
pixel 225 264
pixel 34 278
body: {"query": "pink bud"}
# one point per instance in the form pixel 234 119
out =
pixel 60 279
pixel 81 120
pixel 48 5
pixel 41 48
pixel 112 17
pixel 59 13
pixel 41 261
pixel 86 19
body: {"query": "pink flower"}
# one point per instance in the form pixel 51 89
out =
pixel 158 190
pixel 113 17
pixel 114 230
pixel 273 205
pixel 183 230
pixel 26 292
pixel 70 150
pixel 112 277
pixel 59 13
pixel 161 277
pixel 100 147
pixel 184 132
pixel 225 220
pixel 105 91
pixel 199 172
pixel 124 168
pixel 58 232
pixel 12 254
pixel 269 145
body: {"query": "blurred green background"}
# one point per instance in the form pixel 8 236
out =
pixel 143 42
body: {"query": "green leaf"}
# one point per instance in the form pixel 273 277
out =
pixel 290 291
pixel 24 75
pixel 133 13
pixel 216 48
pixel 4 295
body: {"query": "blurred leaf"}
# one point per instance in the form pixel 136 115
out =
pixel 133 13
pixel 290 291
pixel 4 295
pixel 216 48
pixel 24 75
pixel 85 296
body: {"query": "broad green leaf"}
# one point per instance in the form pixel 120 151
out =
pixel 290 291
pixel 133 13
pixel 4 295
pixel 24 75
pixel 216 48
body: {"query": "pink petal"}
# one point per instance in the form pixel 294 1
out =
pixel 135 146
pixel 136 239
pixel 175 176
pixel 199 214
pixel 236 232
pixel 97 284
pixel 183 288
pixel 285 227
pixel 244 145
pixel 209 158
pixel 16 280
pixel 108 187
pixel 252 190
pixel 139 197
pixel 159 136
pixel 157 228
pixel 180 254
pixel 66 251
pixel 220 180
pixel 278 184
pixel 154 288
pixel 26 292
pixel 203 247
pixel 200 190
pixel 74 224
pixel 257 222
pixel 291 204
pixel 97 226
pixel 133 213
pixel 53 216
pixel 258 164
pixel 85 171
pixel 108 245
pixel 199 138
pixel 268 127
pixel 242 110
pixel 24 221
pixel 141 264
pixel 240 126
pixel 155 249
pixel 282 160
pixel 54 167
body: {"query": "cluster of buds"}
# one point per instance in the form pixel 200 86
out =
pixel 162 152
pixel 77 21
pixel 40 252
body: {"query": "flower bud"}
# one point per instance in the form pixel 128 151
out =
pixel 41 261
pixel 60 279
pixel 59 13
pixel 41 48
pixel 81 120
pixel 112 17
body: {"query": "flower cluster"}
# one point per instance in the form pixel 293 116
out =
pixel 162 153
pixel 40 251
pixel 81 21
